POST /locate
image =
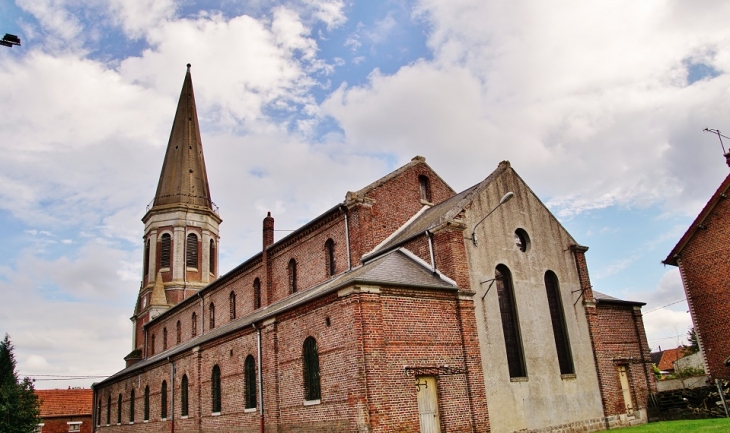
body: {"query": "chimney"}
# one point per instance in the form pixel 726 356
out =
pixel 727 159
pixel 268 230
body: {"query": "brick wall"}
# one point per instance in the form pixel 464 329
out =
pixel 60 424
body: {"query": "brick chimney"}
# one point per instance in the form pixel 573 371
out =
pixel 727 159
pixel 268 230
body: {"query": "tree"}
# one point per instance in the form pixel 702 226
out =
pixel 694 345
pixel 19 405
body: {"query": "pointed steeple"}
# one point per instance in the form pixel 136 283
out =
pixel 183 180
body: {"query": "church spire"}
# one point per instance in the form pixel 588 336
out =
pixel 183 180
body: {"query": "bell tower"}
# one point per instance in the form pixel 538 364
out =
pixel 181 224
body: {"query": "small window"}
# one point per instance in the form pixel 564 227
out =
pixel 292 268
pixel 164 339
pixel 211 316
pixel 510 322
pixel 146 264
pixel 249 368
pixel 522 240
pixel 211 261
pixel 192 251
pixel 560 329
pixel 256 294
pixel 147 403
pixel 311 369
pixel 329 251
pixel 178 332
pixel 152 344
pixel 39 428
pixel 74 426
pixel 184 396
pixel 119 409
pixel 163 400
pixel 194 325
pixel 425 186
pixel 108 410
pixel 215 389
pixel 232 305
pixel 165 250
pixel 131 406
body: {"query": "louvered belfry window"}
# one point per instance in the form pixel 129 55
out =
pixel 165 250
pixel 310 364
pixel 560 330
pixel 192 251
pixel 215 389
pixel 510 322
pixel 256 294
pixel 146 264
pixel 249 368
pixel 211 258
pixel 184 396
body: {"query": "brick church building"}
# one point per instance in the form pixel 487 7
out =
pixel 407 307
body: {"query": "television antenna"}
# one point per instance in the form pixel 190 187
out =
pixel 719 137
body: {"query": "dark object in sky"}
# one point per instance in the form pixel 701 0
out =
pixel 9 40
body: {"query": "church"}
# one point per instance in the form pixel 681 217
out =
pixel 407 307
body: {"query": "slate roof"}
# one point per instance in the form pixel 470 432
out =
pixel 720 193
pixel 65 402
pixel 183 179
pixel 606 299
pixel 397 268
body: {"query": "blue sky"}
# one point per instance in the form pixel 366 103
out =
pixel 599 107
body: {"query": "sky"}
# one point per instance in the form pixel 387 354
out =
pixel 599 106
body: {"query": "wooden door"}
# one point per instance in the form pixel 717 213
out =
pixel 625 388
pixel 428 407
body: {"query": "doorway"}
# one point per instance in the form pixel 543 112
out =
pixel 428 407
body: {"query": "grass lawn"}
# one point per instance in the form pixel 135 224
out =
pixel 697 425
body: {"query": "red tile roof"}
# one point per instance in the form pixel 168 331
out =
pixel 58 402
pixel 671 355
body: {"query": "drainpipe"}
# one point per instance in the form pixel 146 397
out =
pixel 429 235
pixel 347 237
pixel 260 377
pixel 172 395
pixel 202 314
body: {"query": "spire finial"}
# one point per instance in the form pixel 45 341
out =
pixel 189 67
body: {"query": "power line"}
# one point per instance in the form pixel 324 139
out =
pixel 665 306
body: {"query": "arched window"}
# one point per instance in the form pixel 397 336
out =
pixel 131 406
pixel 146 264
pixel 329 256
pixel 108 410
pixel 510 322
pixel 211 255
pixel 164 339
pixel 215 389
pixel 211 315
pixel 194 325
pixel 292 268
pixel 311 369
pixel 256 294
pixel 249 371
pixel 152 344
pixel 184 396
pixel 178 332
pixel 560 330
pixel 232 305
pixel 147 403
pixel 98 413
pixel 163 400
pixel 165 250
pixel 192 251
pixel 425 187
pixel 119 409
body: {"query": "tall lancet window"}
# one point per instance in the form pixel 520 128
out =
pixel 329 256
pixel 192 253
pixel 510 322
pixel 146 264
pixel 256 294
pixel 425 187
pixel 194 325
pixel 292 270
pixel 232 305
pixel 165 250
pixel 560 330
pixel 211 315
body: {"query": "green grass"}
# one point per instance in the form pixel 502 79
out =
pixel 694 425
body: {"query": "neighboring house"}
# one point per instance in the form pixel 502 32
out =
pixel 65 410
pixel 407 307
pixel 669 357
pixel 703 257
pixel 693 361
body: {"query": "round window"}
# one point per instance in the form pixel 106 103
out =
pixel 522 240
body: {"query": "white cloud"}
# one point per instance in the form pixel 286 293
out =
pixel 137 17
